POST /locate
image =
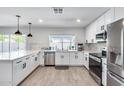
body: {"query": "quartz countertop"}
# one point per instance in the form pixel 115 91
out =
pixel 16 55
pixel 61 51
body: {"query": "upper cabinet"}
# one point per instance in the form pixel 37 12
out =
pixel 90 33
pixel 109 16
pixel 119 13
pixel 98 26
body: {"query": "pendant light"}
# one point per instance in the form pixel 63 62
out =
pixel 29 35
pixel 18 32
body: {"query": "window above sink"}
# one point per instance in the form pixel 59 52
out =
pixel 62 42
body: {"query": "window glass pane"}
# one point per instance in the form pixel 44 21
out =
pixel 56 43
pixel 62 42
pixel 66 43
pixel 22 42
pixel 10 43
pixel 1 38
pixel 5 43
pixel 14 45
pixel 17 43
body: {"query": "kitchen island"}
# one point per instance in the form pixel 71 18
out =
pixel 16 66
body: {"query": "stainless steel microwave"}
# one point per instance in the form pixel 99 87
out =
pixel 101 37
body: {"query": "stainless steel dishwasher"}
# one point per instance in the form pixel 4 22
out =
pixel 49 58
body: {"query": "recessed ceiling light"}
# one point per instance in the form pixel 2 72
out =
pixel 40 20
pixel 78 20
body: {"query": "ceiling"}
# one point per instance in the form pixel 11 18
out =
pixel 33 14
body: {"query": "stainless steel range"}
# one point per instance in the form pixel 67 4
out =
pixel 95 66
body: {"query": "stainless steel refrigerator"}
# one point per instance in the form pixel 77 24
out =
pixel 115 56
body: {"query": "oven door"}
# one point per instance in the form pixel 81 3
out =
pixel 95 67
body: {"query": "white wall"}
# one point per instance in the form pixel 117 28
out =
pixel 40 35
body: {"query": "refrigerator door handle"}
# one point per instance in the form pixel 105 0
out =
pixel 116 77
pixel 122 47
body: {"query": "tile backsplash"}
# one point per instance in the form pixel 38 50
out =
pixel 97 47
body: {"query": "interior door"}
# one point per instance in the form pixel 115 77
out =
pixel 115 48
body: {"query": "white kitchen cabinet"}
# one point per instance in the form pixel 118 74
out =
pixel 109 17
pixel 76 58
pixel 41 58
pixel 104 71
pixel 34 62
pixel 100 24
pixel 61 58
pixel 27 68
pixel 19 67
pixel 86 60
pixel 23 67
pixel 6 73
pixel 119 13
pixel 15 70
pixel 90 34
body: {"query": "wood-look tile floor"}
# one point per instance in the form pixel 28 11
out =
pixel 49 76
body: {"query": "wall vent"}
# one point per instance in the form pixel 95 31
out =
pixel 58 10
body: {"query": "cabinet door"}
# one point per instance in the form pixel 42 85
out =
pixel 86 34
pixel 41 58
pixel 6 73
pixel 73 59
pixel 93 32
pixel 90 34
pixel 100 23
pixel 28 67
pixel 76 58
pixel 57 58
pixel 18 71
pixel 86 60
pixel 104 71
pixel 119 13
pixel 32 63
pixel 62 59
pixel 80 56
pixel 109 17
pixel 35 61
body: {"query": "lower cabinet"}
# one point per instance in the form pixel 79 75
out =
pixel 86 60
pixel 61 59
pixel 76 58
pixel 104 71
pixel 23 67
pixel 19 67
pixel 69 58
pixel 41 58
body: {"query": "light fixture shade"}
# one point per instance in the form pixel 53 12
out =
pixel 29 35
pixel 18 32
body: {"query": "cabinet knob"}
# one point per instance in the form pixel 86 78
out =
pixel 35 58
pixel 19 62
pixel 62 56
pixel 27 58
pixel 86 58
pixel 76 57
pixel 92 40
pixel 24 65
pixel 86 41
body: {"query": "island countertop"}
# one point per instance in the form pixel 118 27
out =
pixel 10 56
